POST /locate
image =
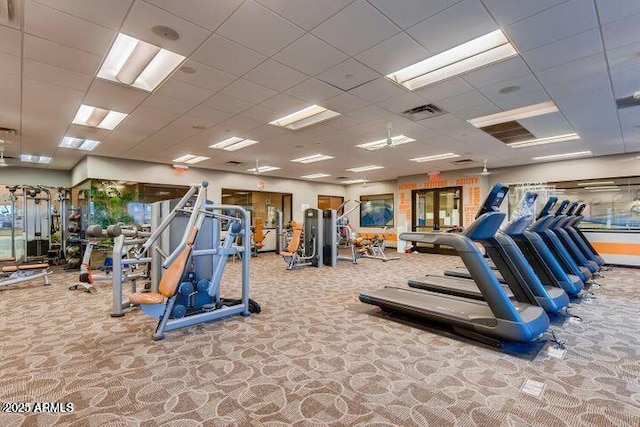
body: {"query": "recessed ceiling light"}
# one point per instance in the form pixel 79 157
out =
pixel 435 157
pixel 315 175
pixel 142 65
pixel 308 116
pixel 234 143
pixel 98 117
pixel 603 190
pixel 312 159
pixel 563 156
pixel 79 143
pixel 596 183
pixel 515 114
pixel 354 181
pixel 542 141
pixel 30 158
pixel 190 159
pixel 263 169
pixel 365 168
pixel 484 50
pixel 376 145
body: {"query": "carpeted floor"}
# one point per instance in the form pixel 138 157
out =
pixel 314 356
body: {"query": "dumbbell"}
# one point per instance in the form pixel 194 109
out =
pixel 94 231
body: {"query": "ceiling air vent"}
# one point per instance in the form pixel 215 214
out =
pixel 423 112
pixel 233 163
pixel 9 131
pixel 462 162
pixel 509 132
pixel 342 178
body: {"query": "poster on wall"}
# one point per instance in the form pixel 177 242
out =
pixel 376 210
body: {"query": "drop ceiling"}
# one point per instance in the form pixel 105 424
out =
pixel 258 60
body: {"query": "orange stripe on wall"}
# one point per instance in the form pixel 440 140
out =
pixel 617 248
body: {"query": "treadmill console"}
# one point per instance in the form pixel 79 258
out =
pixel 494 200
pixel 572 208
pixel 562 207
pixel 580 209
pixel 551 202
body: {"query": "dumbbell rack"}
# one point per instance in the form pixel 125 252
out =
pixel 74 248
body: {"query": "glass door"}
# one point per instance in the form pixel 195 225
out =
pixel 436 209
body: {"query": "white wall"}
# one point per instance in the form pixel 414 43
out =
pixel 569 170
pixel 304 192
pixel 34 176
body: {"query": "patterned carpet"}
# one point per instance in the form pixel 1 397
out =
pixel 314 356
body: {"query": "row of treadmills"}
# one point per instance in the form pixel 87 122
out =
pixel 536 266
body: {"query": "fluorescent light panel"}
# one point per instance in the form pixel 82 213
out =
pixel 516 114
pixel 597 183
pixel 234 143
pixel 608 187
pixel 79 143
pixel 376 145
pixel 547 140
pixel 98 117
pixel 308 116
pixel 354 181
pixel 312 159
pixel 605 190
pixel 142 65
pixel 476 53
pixel 30 158
pixel 190 159
pixel 563 156
pixel 436 157
pixel 315 175
pixel 365 168
pixel 263 169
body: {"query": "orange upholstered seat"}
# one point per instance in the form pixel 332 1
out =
pixel 14 268
pixel 295 240
pixel 9 259
pixel 146 298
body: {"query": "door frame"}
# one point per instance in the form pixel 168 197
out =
pixel 436 249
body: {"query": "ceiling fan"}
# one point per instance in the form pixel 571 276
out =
pixel 485 170
pixel 3 161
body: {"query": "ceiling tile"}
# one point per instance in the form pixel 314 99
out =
pixel 310 55
pixel 344 103
pixel 400 103
pixel 564 20
pixel 168 104
pixel 257 28
pixel 205 77
pixel 50 74
pixel 184 91
pixel 469 19
pixel 115 97
pixel 206 116
pixel 612 10
pixel 206 13
pixel 143 17
pixel 47 52
pixel 259 113
pixel 565 50
pixel 226 103
pixel 9 64
pixel 410 12
pixel 393 54
pixel 248 91
pixel 314 90
pixel 445 89
pixel 625 80
pixel 621 32
pixel 348 74
pixel 480 110
pixel 496 73
pixel 356 28
pixel 624 56
pixel 284 104
pixel 10 41
pixel 370 112
pixel 574 70
pixel 305 13
pixel 462 101
pixel 508 12
pixel 377 90
pixel 10 106
pixel 227 55
pixel 547 125
pixel 65 29
pixel 530 92
pixel 274 75
pixel 106 13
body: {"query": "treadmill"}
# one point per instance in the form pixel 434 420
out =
pixel 535 251
pixel 571 226
pixel 542 228
pixel 508 258
pixel 490 321
pixel 557 226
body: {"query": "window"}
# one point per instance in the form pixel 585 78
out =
pixel 260 204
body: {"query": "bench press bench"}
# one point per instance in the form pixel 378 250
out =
pixel 12 274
